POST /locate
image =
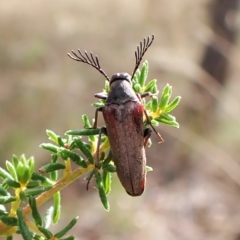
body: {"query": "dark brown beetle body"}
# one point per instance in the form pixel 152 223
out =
pixel 123 114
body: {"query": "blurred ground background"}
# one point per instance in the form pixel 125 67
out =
pixel 194 190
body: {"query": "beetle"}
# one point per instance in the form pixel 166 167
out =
pixel 123 114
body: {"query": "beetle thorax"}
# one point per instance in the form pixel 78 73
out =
pixel 121 89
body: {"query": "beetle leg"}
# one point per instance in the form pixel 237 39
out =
pixel 147 134
pixel 147 94
pixel 96 117
pixel 149 122
pixel 101 95
pixel 96 164
pixel 90 177
pixel 140 96
pixel 102 130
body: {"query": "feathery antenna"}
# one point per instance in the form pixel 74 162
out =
pixel 141 51
pixel 89 59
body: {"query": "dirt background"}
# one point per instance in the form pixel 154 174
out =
pixel 194 191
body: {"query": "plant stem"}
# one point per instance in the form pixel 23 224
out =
pixel 44 197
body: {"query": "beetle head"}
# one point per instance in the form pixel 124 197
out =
pixel 122 77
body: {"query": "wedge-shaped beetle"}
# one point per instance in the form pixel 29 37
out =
pixel 123 114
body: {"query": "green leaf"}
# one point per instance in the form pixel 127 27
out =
pixel 4 192
pixel 109 167
pixel 167 117
pixel 41 178
pixel 35 214
pixel 23 160
pixel 173 104
pixel 12 183
pixel 22 226
pixel 60 141
pixel 164 101
pixel 52 136
pixel 137 88
pixel 102 156
pixel 31 164
pixel 98 104
pixel 149 143
pixel 11 169
pixel 69 140
pixel 150 85
pixel 4 174
pixel 54 176
pixel 23 172
pixel 148 105
pixel 9 237
pixel 106 86
pixel 144 73
pixel 4 184
pixel 50 147
pixel 37 191
pixel 66 229
pixel 88 126
pixel 33 183
pixel 149 169
pixel 7 199
pixel 106 181
pixel 84 149
pixel 56 207
pixel 108 159
pixel 154 89
pixel 154 122
pixel 136 76
pixel 154 103
pixel 86 121
pixel 38 237
pixel 168 122
pixel 45 232
pixel 26 175
pixel 101 191
pixel 83 132
pixel 50 167
pixel 54 158
pixel 15 161
pixel 72 146
pixel 167 90
pixel 22 197
pixel 65 154
pixel 2 213
pixel 10 221
pixel 173 124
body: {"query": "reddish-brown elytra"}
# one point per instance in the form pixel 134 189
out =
pixel 123 115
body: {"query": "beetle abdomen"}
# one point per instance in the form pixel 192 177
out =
pixel 125 131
